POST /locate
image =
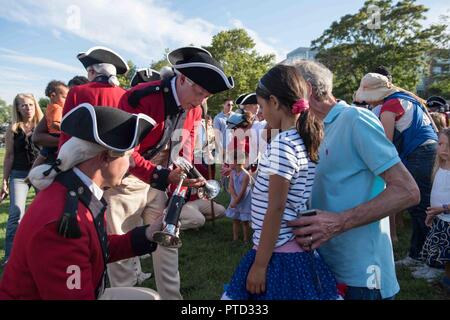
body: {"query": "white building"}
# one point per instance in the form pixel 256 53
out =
pixel 301 53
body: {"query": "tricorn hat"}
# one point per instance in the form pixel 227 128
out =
pixel 145 75
pixel 96 55
pixel 437 102
pixel 109 127
pixel 246 98
pixel 198 65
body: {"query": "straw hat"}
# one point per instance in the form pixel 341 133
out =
pixel 374 87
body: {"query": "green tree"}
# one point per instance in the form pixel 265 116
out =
pixel 381 33
pixel 43 102
pixel 235 50
pixel 125 79
pixel 157 65
pixel 440 88
pixel 5 112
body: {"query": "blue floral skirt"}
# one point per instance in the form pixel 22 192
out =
pixel 290 276
pixel 436 249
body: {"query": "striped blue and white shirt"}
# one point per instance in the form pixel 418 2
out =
pixel 286 156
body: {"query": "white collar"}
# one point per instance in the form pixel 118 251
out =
pixel 174 91
pixel 95 189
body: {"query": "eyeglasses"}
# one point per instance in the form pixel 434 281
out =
pixel 198 91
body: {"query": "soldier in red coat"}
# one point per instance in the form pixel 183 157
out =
pixel 102 65
pixel 61 248
pixel 174 104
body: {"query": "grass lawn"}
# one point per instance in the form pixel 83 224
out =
pixel 208 258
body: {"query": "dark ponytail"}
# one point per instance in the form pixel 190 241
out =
pixel 288 86
pixel 311 131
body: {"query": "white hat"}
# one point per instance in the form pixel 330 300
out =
pixel 374 87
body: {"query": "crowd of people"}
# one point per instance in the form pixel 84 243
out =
pixel 316 185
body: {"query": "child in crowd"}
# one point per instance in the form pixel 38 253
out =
pixel 277 268
pixel 239 123
pixel 56 91
pixel 241 197
pixel 436 250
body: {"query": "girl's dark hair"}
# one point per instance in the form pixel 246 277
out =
pixel 52 86
pixel 288 86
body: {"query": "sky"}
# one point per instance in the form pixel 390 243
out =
pixel 39 40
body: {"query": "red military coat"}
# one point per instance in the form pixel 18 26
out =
pixel 95 93
pixel 157 101
pixel 45 265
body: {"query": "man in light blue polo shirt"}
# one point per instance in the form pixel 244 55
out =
pixel 220 124
pixel 359 182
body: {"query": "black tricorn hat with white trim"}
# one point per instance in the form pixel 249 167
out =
pixel 437 102
pixel 145 75
pixel 109 127
pixel 96 55
pixel 246 98
pixel 198 65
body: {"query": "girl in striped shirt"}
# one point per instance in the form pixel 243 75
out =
pixel 277 268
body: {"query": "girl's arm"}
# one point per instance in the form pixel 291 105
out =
pixel 387 119
pixel 278 192
pixel 231 188
pixel 431 213
pixel 244 186
pixel 8 161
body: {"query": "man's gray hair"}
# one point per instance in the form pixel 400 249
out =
pixel 167 72
pixel 319 76
pixel 107 70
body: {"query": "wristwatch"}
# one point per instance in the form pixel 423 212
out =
pixel 445 206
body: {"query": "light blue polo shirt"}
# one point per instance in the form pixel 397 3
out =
pixel 354 152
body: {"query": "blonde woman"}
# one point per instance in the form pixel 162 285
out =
pixel 20 154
